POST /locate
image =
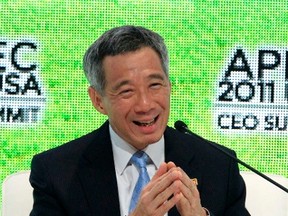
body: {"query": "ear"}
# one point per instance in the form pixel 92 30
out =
pixel 97 100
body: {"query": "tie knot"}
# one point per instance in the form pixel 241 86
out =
pixel 139 159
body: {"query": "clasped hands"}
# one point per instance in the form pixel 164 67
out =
pixel 169 186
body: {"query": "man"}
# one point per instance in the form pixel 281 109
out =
pixel 127 68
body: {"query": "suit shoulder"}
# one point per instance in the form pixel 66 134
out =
pixel 69 149
pixel 196 143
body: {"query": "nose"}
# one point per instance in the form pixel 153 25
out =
pixel 144 102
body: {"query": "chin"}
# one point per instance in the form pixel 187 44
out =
pixel 153 140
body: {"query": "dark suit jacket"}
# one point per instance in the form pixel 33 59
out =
pixel 78 178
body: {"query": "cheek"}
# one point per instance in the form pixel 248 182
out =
pixel 164 99
pixel 118 107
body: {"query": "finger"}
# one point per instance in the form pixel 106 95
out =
pixel 161 182
pixel 160 210
pixel 190 199
pixel 166 206
pixel 170 165
pixel 156 193
pixel 187 181
pixel 190 193
pixel 162 169
pixel 167 194
pixel 161 174
pixel 162 188
pixel 189 188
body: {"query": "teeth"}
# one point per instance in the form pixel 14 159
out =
pixel 145 124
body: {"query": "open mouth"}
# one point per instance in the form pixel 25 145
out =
pixel 146 124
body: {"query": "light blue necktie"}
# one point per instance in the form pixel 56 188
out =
pixel 139 159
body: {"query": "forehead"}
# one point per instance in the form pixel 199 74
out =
pixel 142 59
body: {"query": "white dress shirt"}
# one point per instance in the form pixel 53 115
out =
pixel 126 173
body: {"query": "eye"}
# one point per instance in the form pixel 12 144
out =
pixel 156 85
pixel 126 92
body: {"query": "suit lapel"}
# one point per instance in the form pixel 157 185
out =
pixel 97 174
pixel 181 152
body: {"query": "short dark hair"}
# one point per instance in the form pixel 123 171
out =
pixel 116 41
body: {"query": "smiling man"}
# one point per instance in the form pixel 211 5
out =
pixel 134 164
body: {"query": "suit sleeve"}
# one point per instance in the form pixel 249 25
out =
pixel 45 201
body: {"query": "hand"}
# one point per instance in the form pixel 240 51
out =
pixel 189 203
pixel 154 199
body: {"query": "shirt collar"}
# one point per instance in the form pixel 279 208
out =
pixel 123 151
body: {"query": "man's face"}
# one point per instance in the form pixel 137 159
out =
pixel 136 98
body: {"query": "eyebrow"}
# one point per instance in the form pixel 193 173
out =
pixel 156 76
pixel 122 83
